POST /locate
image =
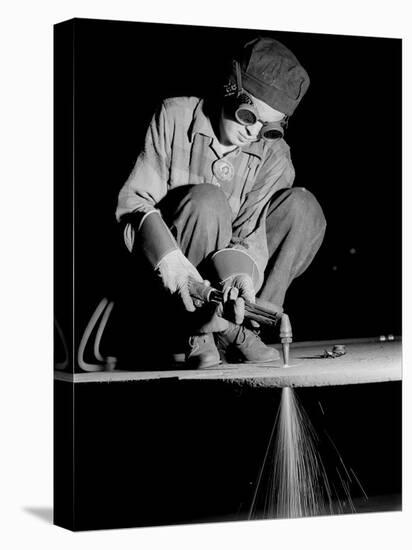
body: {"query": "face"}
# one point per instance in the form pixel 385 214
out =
pixel 232 132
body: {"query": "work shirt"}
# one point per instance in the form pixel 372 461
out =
pixel 181 148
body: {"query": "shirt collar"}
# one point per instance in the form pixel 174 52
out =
pixel 201 124
pixel 255 148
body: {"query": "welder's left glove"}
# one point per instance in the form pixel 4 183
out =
pixel 237 289
pixel 243 284
pixel 235 272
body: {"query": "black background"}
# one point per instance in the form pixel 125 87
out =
pixel 345 139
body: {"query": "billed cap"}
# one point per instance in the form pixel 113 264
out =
pixel 273 74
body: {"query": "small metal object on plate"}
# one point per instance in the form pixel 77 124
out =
pixel 337 351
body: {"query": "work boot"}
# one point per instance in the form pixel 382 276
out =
pixel 241 345
pixel 202 353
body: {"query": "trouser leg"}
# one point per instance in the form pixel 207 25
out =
pixel 200 219
pixel 295 227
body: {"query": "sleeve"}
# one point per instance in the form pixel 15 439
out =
pixel 249 229
pixel 147 183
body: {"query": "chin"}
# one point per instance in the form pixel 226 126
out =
pixel 238 143
pixel 236 140
pixel 243 142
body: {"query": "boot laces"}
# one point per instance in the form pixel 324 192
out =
pixel 246 337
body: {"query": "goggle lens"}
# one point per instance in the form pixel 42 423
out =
pixel 245 116
pixel 270 132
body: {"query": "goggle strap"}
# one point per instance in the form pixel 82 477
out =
pixel 238 78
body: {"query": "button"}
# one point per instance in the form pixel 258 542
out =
pixel 223 170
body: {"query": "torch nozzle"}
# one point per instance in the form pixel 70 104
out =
pixel 285 337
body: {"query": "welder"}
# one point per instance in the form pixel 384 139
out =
pixel 211 197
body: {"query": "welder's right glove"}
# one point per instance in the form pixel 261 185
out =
pixel 175 270
pixel 159 246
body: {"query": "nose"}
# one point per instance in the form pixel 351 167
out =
pixel 254 129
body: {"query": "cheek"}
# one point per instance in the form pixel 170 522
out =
pixel 231 127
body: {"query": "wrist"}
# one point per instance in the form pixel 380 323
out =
pixel 171 255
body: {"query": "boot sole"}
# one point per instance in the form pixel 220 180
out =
pixel 209 367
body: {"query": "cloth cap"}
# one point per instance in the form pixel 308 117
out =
pixel 273 74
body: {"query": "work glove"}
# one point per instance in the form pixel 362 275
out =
pixel 175 270
pixel 243 283
pixel 237 289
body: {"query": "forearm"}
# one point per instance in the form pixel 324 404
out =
pixel 150 234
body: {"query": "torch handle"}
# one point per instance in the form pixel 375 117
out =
pixel 255 312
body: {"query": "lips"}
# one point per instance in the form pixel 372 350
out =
pixel 245 139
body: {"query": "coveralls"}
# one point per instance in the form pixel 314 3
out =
pixel 244 199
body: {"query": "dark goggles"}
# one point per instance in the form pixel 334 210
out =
pixel 245 113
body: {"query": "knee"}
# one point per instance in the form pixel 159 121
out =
pixel 208 199
pixel 304 206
